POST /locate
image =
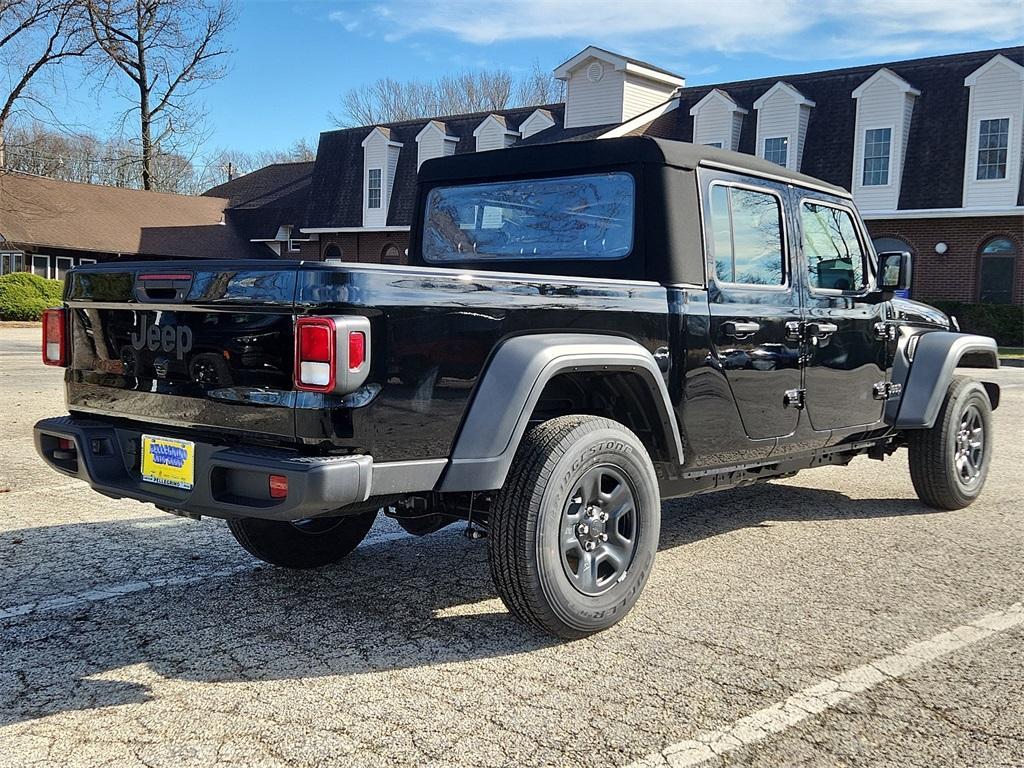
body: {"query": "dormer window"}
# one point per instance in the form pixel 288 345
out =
pixel 877 144
pixel 782 117
pixel 776 150
pixel 993 143
pixel 717 120
pixel 715 144
pixel 373 188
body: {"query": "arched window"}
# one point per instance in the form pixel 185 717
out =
pixel 333 251
pixel 889 244
pixel 995 274
pixel 390 254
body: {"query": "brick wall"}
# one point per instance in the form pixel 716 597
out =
pixel 954 274
pixel 366 247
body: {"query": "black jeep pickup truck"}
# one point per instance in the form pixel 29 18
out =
pixel 584 330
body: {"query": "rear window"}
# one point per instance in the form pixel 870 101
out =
pixel 568 217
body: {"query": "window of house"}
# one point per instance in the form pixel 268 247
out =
pixel 41 265
pixel 390 254
pixel 876 156
pixel 64 264
pixel 333 252
pixel 993 141
pixel 293 246
pixel 12 261
pixel 716 144
pixel 995 279
pixel 832 250
pixel 747 239
pixel 588 216
pixel 776 150
pixel 373 178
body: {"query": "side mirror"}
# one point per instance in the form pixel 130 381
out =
pixel 894 271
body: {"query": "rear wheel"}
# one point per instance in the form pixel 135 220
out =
pixel 309 543
pixel 572 536
pixel 949 462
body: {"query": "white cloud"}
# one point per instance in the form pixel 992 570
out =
pixel 787 28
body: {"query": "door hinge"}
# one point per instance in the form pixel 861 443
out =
pixel 885 390
pixel 794 398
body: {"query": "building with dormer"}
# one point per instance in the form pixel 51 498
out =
pixel 930 148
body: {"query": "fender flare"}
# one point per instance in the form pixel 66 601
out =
pixel 926 379
pixel 511 386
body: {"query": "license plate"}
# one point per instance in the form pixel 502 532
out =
pixel 168 462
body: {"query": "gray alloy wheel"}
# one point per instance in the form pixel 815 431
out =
pixel 599 530
pixel 950 461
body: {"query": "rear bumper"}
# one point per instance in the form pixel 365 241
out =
pixel 229 482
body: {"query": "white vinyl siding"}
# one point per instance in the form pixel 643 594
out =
pixel 492 133
pixel 884 102
pixel 782 112
pixel 640 95
pixel 717 121
pixel 432 142
pixel 997 93
pixel 590 103
pixel 539 121
pixel 380 156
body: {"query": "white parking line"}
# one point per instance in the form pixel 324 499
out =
pixel 109 592
pixel 828 693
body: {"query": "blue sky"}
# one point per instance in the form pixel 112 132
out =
pixel 293 59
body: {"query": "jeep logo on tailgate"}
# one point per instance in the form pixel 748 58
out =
pixel 169 338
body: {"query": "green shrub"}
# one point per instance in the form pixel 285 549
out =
pixel 24 296
pixel 1003 322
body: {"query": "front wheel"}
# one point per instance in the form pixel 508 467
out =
pixel 309 543
pixel 573 534
pixel 949 462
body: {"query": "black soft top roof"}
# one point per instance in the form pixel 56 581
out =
pixel 601 153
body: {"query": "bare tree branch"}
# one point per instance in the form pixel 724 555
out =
pixel 169 49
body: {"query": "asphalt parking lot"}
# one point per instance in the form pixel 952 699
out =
pixel 828 619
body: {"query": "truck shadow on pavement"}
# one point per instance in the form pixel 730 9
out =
pixel 392 605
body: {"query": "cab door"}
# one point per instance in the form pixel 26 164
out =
pixel 844 329
pixel 753 302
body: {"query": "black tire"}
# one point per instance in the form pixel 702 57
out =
pixel 949 462
pixel 303 544
pixel 542 576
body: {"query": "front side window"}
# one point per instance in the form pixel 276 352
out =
pixel 876 156
pixel 373 188
pixel 832 250
pixel 993 141
pixel 747 236
pixel 998 258
pixel 776 150
pixel 568 217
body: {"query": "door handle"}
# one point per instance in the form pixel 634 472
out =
pixel 821 330
pixel 739 328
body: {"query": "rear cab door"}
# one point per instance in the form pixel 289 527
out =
pixel 846 335
pixel 754 302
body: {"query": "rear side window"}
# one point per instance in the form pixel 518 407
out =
pixel 832 250
pixel 569 217
pixel 746 227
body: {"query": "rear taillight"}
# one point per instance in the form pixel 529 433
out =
pixel 54 338
pixel 332 354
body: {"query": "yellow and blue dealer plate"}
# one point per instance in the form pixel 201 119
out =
pixel 168 462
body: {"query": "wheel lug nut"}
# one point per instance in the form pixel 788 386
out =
pixel 604 517
pixel 604 537
pixel 589 546
pixel 583 529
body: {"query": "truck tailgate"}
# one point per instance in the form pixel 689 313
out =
pixel 204 345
